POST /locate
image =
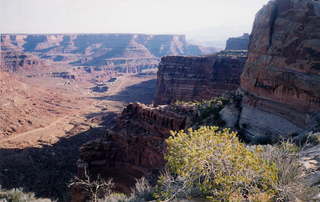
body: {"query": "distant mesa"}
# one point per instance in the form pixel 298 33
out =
pixel 125 52
pixel 238 43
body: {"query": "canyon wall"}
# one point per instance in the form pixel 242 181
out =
pixel 197 78
pixel 125 52
pixel 281 79
pixel 238 43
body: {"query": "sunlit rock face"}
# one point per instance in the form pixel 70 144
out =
pixel 197 78
pixel 281 79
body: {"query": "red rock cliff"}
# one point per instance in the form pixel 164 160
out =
pixel 196 78
pixel 281 79
pixel 134 147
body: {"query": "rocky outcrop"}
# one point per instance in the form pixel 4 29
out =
pixel 238 43
pixel 281 79
pixel 197 78
pixel 134 147
pixel 97 49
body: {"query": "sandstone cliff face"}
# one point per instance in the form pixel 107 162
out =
pixel 281 79
pixel 197 78
pixel 238 43
pixel 127 52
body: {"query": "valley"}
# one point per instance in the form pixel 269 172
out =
pixel 56 141
pixel 86 112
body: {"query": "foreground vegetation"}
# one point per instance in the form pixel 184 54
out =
pixel 213 165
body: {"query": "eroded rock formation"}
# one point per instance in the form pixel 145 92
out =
pixel 281 79
pixel 197 78
pixel 134 147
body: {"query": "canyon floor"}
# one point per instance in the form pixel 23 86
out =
pixel 43 159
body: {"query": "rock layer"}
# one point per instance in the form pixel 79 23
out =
pixel 197 78
pixel 281 79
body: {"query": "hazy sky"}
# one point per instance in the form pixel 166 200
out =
pixel 128 16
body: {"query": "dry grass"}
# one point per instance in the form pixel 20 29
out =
pixel 290 185
pixel 18 195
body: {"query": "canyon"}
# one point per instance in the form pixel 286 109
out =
pixel 103 94
pixel 277 97
pixel 56 96
pixel 74 65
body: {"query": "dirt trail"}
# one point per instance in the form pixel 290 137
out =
pixel 34 131
pixel 111 101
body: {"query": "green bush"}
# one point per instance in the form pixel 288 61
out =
pixel 213 164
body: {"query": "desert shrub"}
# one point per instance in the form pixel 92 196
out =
pixel 290 184
pixel 141 192
pixel 18 195
pixel 213 164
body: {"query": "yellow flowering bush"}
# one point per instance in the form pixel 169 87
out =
pixel 213 164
